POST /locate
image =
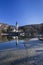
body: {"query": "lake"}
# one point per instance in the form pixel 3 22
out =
pixel 24 51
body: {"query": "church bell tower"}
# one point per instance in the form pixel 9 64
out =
pixel 16 26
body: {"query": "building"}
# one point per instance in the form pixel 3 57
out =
pixel 16 28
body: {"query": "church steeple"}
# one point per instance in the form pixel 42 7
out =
pixel 16 26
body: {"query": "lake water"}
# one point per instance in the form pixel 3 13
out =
pixel 21 51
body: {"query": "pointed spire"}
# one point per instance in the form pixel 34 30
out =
pixel 16 23
pixel 16 26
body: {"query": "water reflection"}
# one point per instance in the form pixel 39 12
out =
pixel 21 51
pixel 5 38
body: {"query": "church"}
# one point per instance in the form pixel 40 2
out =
pixel 16 28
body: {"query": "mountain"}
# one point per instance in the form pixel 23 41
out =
pixel 33 27
pixel 32 30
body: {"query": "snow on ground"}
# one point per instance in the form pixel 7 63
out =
pixel 33 39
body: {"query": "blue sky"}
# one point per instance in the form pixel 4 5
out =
pixel 23 11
